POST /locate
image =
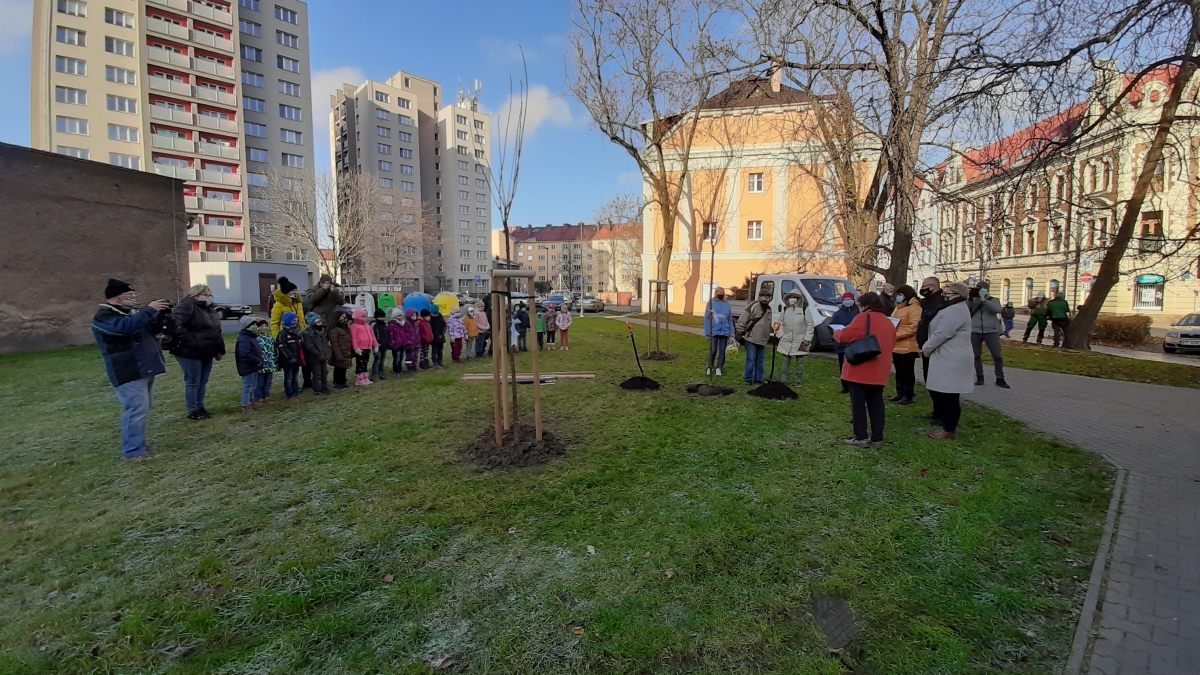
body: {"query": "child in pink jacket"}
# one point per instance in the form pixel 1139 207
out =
pixel 362 338
pixel 563 320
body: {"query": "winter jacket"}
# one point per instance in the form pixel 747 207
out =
pixel 541 322
pixel 472 326
pixel 383 336
pixel 1037 307
pixel 128 343
pixel 284 304
pixel 845 316
pixel 456 328
pixel 795 328
pixel 325 302
pixel 909 313
pixel 930 306
pixel 340 346
pixel 984 317
pixel 316 346
pixel 362 337
pixel 551 320
pixel 437 325
pixel 426 332
pixel 718 319
pixel 289 346
pixel 407 336
pixel 522 317
pixel 563 320
pixel 482 322
pixel 1008 313
pixel 248 352
pixel 889 303
pixel 197 331
pixel 1058 309
pixel 395 334
pixel 879 369
pixel 270 355
pixel 951 359
pixel 755 323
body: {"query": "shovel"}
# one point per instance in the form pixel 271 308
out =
pixel 775 391
pixel 641 383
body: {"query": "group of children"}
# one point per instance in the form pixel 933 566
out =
pixel 550 324
pixel 416 341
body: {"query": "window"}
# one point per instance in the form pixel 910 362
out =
pixel 383 131
pixel 117 132
pixel 464 225
pixel 463 165
pixel 462 150
pixel 462 134
pixel 464 238
pixel 256 179
pixel 258 155
pixel 383 148
pixel 407 186
pixel 479 168
pixel 118 47
pixel 294 161
pixel 63 64
pixel 385 183
pixel 250 28
pixel 284 14
pixel 384 165
pixel 382 97
pixel 289 136
pixel 480 183
pixel 479 139
pixel 754 230
pixel 480 197
pixel 478 124
pixel 406 169
pixel 71 125
pixel 289 88
pixel 259 130
pixel 120 75
pixel 463 194
pixel 463 180
pixel 756 183
pixel 122 104
pixel 464 210
pixel 287 39
pixel 464 253
pixel 118 18
pixel 72 7
pixel 406 153
pixel 709 233
pixel 78 153
pixel 252 79
pixel 478 154
pixel 1148 293
pixel 404 136
pixel 252 54
pixel 290 65
pixel 404 103
pixel 254 104
pixel 128 161
pixel 289 112
pixel 69 95
pixel 405 120
pixel 249 4
pixel 481 212
pixel 482 227
pixel 71 36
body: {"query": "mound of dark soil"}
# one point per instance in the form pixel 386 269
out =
pixel 528 452
pixel 775 391
pixel 659 356
pixel 709 390
pixel 640 383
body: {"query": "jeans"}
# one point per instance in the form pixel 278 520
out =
pixel 379 364
pixel 320 377
pixel 138 399
pixel 1008 326
pixel 788 361
pixel 717 345
pixel 866 400
pixel 947 408
pixel 265 380
pixel 756 357
pixel 249 389
pixel 481 344
pixel 522 341
pixel 1060 330
pixel 291 383
pixel 195 381
pixel 398 361
pixel 906 374
pixel 993 345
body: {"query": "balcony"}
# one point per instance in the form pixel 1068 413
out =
pixel 180 5
pixel 166 114
pixel 212 68
pixel 222 232
pixel 210 13
pixel 215 256
pixel 209 40
pixel 172 171
pixel 202 204
pixel 157 25
pixel 217 123
pixel 218 150
pixel 171 143
pixel 219 177
pixel 167 56
pixel 169 86
pixel 215 95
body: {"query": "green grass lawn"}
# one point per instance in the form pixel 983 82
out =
pixel 260 543
pixel 676 319
pixel 1094 364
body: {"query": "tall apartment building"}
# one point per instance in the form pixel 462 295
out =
pixel 400 132
pixel 600 259
pixel 215 94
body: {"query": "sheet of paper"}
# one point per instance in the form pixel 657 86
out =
pixel 895 322
pixel 837 326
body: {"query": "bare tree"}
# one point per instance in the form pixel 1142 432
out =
pixel 642 69
pixel 297 218
pixel 620 249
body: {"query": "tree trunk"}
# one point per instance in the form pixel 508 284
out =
pixel 1079 335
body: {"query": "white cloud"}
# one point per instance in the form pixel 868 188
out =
pixel 542 107
pixel 324 83
pixel 17 25
pixel 500 52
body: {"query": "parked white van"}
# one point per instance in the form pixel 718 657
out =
pixel 824 295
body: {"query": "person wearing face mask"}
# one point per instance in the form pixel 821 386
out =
pixel 985 329
pixel 844 316
pixel 795 330
pixel 132 354
pixel 868 378
pixel 342 348
pixel 887 293
pixel 950 360
pixel 198 342
pixel 718 328
pixel 317 353
pixel 287 299
pixel 904 356
pixel 754 331
pixel 931 303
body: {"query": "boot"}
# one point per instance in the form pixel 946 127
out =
pixel 1002 384
pixel 942 435
pixel 359 380
pixel 978 381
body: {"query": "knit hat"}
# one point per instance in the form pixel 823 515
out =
pixel 379 313
pixel 291 319
pixel 286 286
pixel 247 321
pixel 116 287
pixel 312 319
pixel 324 278
pixel 360 313
pixel 435 310
pixel 396 312
pixel 847 295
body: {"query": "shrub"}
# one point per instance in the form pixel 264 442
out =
pixel 1125 330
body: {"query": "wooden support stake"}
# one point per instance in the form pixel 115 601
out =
pixel 502 347
pixel 537 389
pixel 496 369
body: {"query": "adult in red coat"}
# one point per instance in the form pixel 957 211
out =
pixel 867 380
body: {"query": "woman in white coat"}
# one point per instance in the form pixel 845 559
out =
pixel 951 360
pixel 795 332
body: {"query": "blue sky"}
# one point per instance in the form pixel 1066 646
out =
pixel 568 169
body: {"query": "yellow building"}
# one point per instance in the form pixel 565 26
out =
pixel 754 200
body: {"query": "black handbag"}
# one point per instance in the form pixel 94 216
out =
pixel 863 349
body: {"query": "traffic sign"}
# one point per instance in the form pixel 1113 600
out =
pixel 1085 278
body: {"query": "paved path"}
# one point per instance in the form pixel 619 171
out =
pixel 1150 612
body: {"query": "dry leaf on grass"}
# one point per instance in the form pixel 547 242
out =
pixel 670 574
pixel 578 631
pixel 647 556
pixel 387 578
pixel 441 664
pixel 924 473
pixel 591 550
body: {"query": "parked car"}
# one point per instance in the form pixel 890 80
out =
pixel 1184 335
pixel 824 295
pixel 558 300
pixel 226 310
pixel 591 303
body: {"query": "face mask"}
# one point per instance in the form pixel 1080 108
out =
pixel 130 303
pixel 764 301
pixel 204 302
pixel 983 292
pixel 899 298
pixel 847 303
pixel 925 292
pixel 793 302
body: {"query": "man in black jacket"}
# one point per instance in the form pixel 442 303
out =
pixel 931 303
